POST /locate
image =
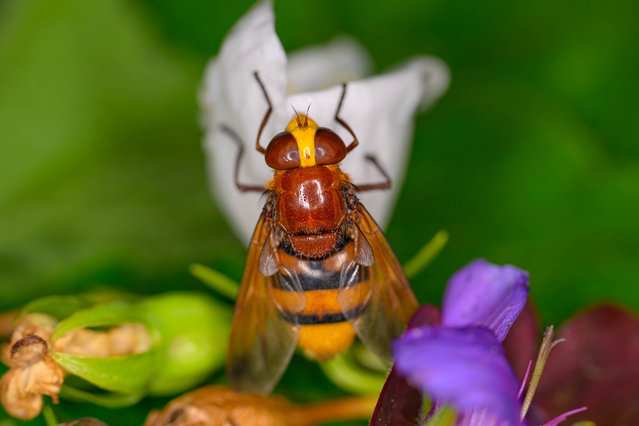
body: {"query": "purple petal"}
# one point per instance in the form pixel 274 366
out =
pixel 464 367
pixel 483 294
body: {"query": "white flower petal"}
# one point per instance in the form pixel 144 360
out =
pixel 319 67
pixel 380 110
pixel 232 97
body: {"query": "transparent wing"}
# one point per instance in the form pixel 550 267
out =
pixel 262 342
pixel 376 297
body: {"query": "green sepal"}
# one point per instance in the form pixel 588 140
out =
pixel 189 333
pixel 103 399
pixel 346 373
pixel 103 315
pixel 58 307
pixel 124 374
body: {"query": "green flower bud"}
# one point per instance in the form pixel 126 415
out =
pixel 193 332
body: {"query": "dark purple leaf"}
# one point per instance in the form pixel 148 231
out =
pixel 400 403
pixel 597 366
pixel 425 315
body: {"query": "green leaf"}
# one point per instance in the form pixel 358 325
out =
pixel 109 314
pixel 125 374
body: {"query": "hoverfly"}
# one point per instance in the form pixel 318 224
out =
pixel 319 269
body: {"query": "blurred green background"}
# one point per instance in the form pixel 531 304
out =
pixel 531 158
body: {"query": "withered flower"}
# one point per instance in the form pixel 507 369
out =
pixel 34 372
pixel 217 405
pixel 129 347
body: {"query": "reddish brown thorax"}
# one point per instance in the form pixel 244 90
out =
pixel 310 207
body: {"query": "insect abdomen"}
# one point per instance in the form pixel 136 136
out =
pixel 324 329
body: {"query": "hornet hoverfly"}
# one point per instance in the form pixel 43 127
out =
pixel 318 269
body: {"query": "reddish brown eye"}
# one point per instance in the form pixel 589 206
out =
pixel 329 147
pixel 282 152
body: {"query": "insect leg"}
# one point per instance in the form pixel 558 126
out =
pixel 355 142
pixel 381 185
pixel 236 138
pixel 266 116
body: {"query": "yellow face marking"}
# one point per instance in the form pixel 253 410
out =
pixel 303 129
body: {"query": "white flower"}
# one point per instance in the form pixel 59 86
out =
pixel 380 110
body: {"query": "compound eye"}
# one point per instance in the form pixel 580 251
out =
pixel 329 147
pixel 282 152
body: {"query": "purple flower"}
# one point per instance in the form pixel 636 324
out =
pixel 461 361
pixel 445 361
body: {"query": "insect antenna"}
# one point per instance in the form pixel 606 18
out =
pixel 306 116
pixel 297 117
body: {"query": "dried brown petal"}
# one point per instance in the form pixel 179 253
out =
pixel 216 405
pixel 28 350
pixel 22 388
pixel 29 325
pixel 7 323
pixel 122 340
pixel 33 372
pixel 15 400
